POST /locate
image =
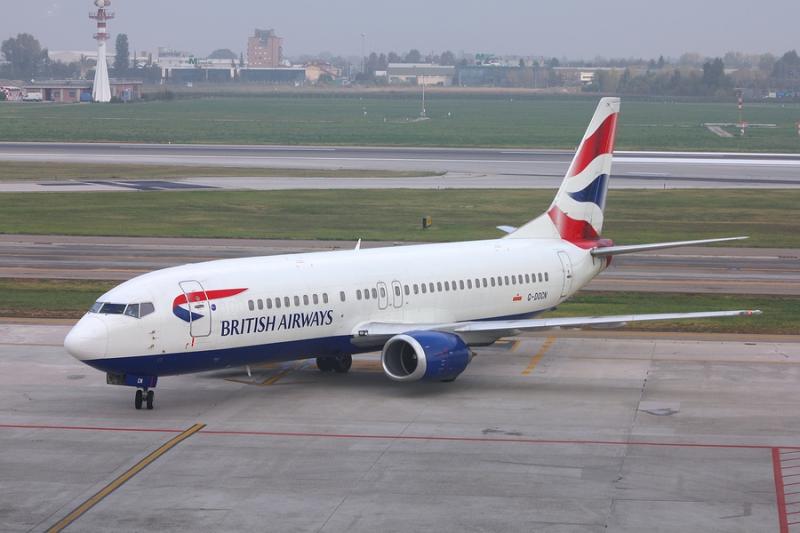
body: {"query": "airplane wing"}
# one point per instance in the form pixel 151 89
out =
pixel 501 328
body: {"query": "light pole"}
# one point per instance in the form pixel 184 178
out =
pixel 363 55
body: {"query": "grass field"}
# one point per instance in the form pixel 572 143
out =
pixel 769 217
pixel 510 120
pixel 70 299
pixel 26 171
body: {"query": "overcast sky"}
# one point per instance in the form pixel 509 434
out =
pixel 562 28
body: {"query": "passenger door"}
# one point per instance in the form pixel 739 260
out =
pixel 397 294
pixel 566 267
pixel 383 295
pixel 199 308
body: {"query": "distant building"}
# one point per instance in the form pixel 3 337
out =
pixel 274 76
pixel 264 50
pixel 419 73
pixel 70 91
pixel 581 76
pixel 314 71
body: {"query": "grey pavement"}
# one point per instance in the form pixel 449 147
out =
pixel 600 432
pixel 464 167
pixel 695 269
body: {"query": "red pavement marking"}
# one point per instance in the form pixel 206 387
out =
pixel 783 520
pixel 90 428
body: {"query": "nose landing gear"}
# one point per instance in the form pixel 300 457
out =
pixel 144 396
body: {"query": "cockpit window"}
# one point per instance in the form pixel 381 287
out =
pixel 145 309
pixel 96 307
pixel 112 309
pixel 132 310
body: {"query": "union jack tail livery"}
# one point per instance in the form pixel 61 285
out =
pixel 576 214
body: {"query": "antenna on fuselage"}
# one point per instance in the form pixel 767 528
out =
pixel 358 245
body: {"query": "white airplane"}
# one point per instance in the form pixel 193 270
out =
pixel 423 306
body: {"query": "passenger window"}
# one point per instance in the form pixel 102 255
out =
pixel 145 309
pixel 260 303
pixel 316 299
pixel 492 280
pixel 439 286
pixel 527 278
pixel 269 303
pixel 407 290
pixel 447 285
pixel 358 294
pixel 424 288
pixel 383 292
pixel 132 310
pixel 278 303
pixel 375 293
pixel 305 299
pixel 513 279
pixel 397 290
pixel 546 277
pixel 431 287
pixel 342 296
pixel 540 277
pixel 286 301
pixel 297 301
pixel 461 284
pixel 366 294
pixel 469 283
pixel 506 279
pixel 499 281
pixel 324 297
pixel 486 284
pixel 453 284
pixel 416 289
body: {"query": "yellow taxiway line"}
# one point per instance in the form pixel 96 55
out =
pixel 538 356
pixel 117 483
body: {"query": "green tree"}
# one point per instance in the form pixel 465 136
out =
pixel 786 71
pixel 122 59
pixel 447 58
pixel 413 56
pixel 25 54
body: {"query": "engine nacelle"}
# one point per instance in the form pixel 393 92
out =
pixel 429 355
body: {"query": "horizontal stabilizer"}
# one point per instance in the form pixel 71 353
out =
pixel 634 248
pixel 507 229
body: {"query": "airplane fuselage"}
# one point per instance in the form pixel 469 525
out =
pixel 238 312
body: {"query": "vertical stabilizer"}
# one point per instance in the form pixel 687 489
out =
pixel 576 214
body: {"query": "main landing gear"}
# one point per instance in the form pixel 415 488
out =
pixel 144 396
pixel 340 363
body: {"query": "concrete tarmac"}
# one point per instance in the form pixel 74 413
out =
pixel 464 167
pixel 694 269
pixel 578 432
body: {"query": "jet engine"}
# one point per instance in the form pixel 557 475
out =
pixel 428 355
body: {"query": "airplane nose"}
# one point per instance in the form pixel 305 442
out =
pixel 88 339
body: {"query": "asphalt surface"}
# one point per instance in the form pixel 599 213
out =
pixel 693 269
pixel 572 432
pixel 464 167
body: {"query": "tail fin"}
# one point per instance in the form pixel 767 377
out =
pixel 576 214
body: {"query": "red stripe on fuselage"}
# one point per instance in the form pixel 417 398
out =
pixel 201 295
pixel 598 143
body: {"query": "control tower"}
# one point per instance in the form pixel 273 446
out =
pixel 101 92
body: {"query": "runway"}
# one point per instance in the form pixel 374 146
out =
pixel 580 432
pixel 463 168
pixel 697 269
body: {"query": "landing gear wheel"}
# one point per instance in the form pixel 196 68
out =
pixel 325 364
pixel 137 402
pixel 150 396
pixel 342 363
